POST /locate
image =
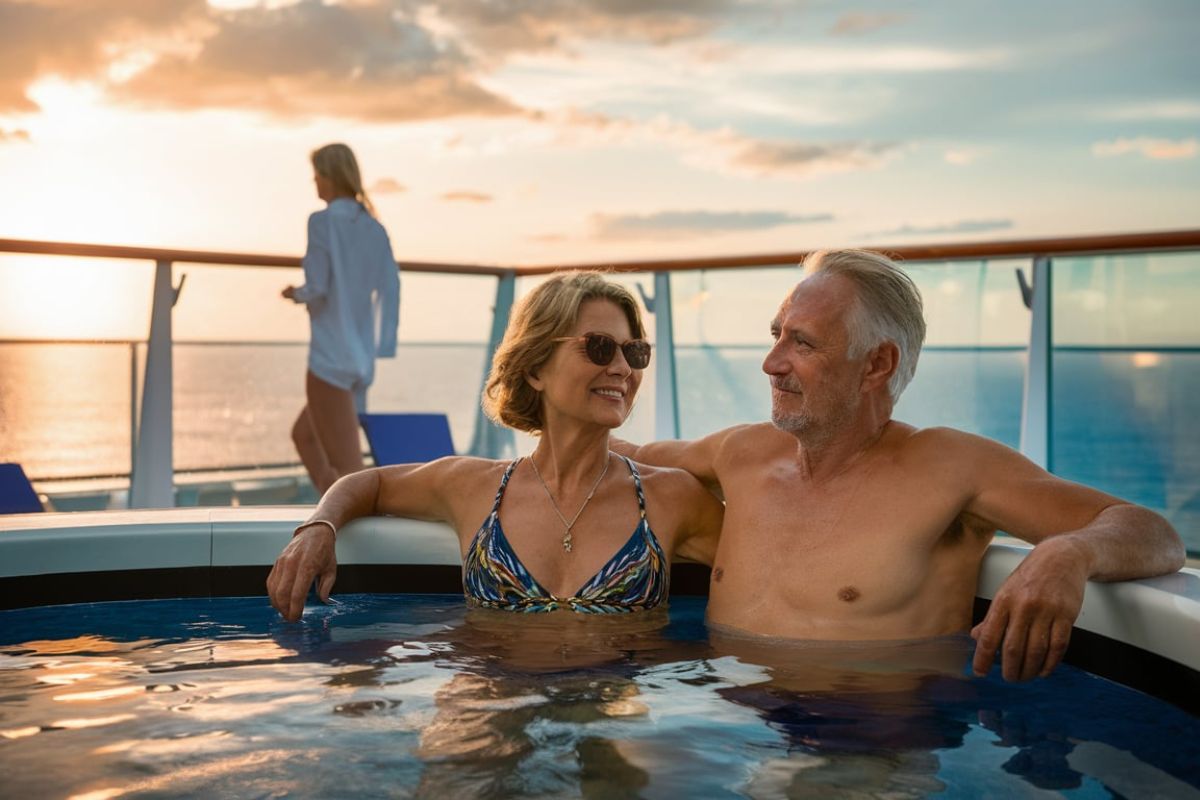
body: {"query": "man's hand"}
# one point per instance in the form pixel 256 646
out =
pixel 1031 616
pixel 309 555
pixel 289 293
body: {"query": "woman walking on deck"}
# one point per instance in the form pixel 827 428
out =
pixel 352 294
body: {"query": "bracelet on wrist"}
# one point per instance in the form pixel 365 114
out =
pixel 312 522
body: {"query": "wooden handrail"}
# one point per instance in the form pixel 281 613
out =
pixel 210 257
pixel 1162 241
pixel 1158 241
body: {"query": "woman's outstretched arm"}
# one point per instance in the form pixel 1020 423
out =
pixel 408 490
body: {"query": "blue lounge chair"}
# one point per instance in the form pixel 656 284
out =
pixel 16 492
pixel 407 438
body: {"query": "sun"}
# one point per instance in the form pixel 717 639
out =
pixel 48 298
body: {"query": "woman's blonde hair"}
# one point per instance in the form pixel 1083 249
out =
pixel 337 164
pixel 546 313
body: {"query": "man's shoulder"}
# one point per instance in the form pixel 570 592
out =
pixel 742 447
pixel 944 444
pixel 754 433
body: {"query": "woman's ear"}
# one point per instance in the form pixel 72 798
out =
pixel 533 380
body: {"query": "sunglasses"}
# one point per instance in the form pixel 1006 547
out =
pixel 601 349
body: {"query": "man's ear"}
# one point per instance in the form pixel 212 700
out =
pixel 882 363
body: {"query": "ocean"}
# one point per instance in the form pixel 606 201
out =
pixel 1125 422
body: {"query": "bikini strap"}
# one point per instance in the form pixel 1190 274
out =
pixel 637 483
pixel 504 483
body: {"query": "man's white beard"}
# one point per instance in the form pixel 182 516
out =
pixel 807 428
pixel 795 424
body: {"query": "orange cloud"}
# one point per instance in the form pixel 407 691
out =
pixel 859 22
pixel 78 41
pixel 387 186
pixel 364 61
pixel 690 224
pixel 373 60
pixel 467 197
pixel 13 135
pixel 1158 149
pixel 531 25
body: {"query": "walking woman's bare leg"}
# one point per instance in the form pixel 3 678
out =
pixel 335 418
pixel 312 454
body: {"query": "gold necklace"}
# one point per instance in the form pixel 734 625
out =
pixel 566 540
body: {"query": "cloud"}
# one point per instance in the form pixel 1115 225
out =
pixel 961 156
pixel 373 60
pixel 467 197
pixel 493 29
pixel 961 226
pixel 387 186
pixel 78 41
pixel 858 22
pixel 1158 149
pixel 14 135
pixel 1179 109
pixel 722 149
pixel 365 61
pixel 683 224
pixel 806 158
pixel 843 59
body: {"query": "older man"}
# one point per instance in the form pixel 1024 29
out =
pixel 842 523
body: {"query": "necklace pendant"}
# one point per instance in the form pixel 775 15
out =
pixel 566 542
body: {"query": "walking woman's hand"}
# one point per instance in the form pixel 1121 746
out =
pixel 308 556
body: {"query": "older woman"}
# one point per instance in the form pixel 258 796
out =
pixel 573 526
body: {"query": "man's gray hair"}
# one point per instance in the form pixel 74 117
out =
pixel 888 307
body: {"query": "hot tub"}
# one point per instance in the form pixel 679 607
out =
pixel 398 689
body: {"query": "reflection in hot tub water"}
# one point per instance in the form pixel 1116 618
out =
pixel 414 695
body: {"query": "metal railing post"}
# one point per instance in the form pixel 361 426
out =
pixel 133 408
pixel 666 388
pixel 152 473
pixel 1039 373
pixel 490 440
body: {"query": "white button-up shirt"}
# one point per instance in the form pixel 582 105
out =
pixel 352 290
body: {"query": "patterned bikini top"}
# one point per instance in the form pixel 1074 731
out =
pixel 635 579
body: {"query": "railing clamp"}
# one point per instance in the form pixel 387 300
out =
pixel 647 300
pixel 1025 287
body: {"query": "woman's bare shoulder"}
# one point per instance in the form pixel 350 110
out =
pixel 470 469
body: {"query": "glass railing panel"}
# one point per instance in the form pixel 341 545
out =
pixel 64 408
pixel 1126 378
pixel 241 355
pixel 443 377
pixel 971 371
pixel 65 364
pixel 55 298
pixel 722 333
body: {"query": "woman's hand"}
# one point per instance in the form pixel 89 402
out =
pixel 309 555
pixel 289 293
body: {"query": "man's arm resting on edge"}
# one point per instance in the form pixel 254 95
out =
pixel 1079 534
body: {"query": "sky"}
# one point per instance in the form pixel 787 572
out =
pixel 566 131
